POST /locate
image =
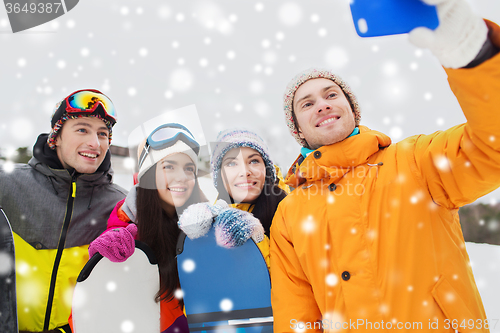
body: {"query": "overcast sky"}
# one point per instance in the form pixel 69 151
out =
pixel 231 59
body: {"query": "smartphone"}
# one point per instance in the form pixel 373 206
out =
pixel 391 17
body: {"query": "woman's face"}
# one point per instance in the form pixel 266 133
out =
pixel 175 179
pixel 243 174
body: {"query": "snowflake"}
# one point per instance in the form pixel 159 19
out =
pixel 111 286
pixel 290 14
pixel 8 166
pixel 442 163
pixel 309 225
pixel 179 293
pixel 332 280
pixel 390 68
pixel 396 132
pixel 188 265
pixel 226 305
pixel 181 80
pixel 21 62
pixel 127 326
pixel 6 263
pixel 336 57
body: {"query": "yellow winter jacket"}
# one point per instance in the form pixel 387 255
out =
pixel 33 270
pixel 263 245
pixel 370 238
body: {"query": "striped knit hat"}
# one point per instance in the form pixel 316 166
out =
pixel 235 138
pixel 297 81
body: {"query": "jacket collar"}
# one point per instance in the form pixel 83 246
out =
pixel 334 161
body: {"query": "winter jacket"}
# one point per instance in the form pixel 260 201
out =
pixel 54 216
pixel 370 238
pixel 264 244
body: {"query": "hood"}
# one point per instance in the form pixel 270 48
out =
pixel 334 161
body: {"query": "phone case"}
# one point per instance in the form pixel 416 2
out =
pixel 390 17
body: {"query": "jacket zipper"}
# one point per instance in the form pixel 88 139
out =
pixel 60 249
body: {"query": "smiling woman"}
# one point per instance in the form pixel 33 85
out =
pixel 167 185
pixel 245 175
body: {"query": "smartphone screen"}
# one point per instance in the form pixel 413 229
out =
pixel 390 17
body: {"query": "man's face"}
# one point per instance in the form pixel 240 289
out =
pixel 82 144
pixel 324 115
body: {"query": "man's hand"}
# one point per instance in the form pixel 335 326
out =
pixel 458 38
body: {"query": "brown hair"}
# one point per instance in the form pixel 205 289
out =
pixel 159 231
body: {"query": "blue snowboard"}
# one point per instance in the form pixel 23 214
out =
pixel 8 303
pixel 225 290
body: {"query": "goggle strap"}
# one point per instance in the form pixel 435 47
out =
pixel 144 153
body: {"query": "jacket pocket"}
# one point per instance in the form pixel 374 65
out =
pixel 457 313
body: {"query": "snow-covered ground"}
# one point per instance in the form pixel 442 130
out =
pixel 485 262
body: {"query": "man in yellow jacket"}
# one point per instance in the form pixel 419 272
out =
pixel 370 238
pixel 58 203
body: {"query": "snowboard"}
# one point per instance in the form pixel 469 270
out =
pixel 8 304
pixel 389 17
pixel 225 290
pixel 118 297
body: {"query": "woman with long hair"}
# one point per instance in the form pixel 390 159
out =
pixel 246 177
pixel 167 184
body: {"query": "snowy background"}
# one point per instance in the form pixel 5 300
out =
pixel 232 59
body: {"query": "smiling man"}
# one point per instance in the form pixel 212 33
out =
pixel 58 203
pixel 370 237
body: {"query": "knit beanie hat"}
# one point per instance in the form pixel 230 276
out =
pixel 154 156
pixel 235 138
pixel 297 81
pixel 59 117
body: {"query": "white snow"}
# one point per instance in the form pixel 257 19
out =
pixel 226 305
pixel 188 265
pixel 6 263
pixel 290 14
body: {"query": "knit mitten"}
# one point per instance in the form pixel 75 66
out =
pixel 196 220
pixel 233 227
pixel 458 38
pixel 117 244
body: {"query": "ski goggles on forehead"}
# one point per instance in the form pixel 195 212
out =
pixel 87 101
pixel 166 136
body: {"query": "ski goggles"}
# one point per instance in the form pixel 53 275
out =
pixel 166 136
pixel 87 101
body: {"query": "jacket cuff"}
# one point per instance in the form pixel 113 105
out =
pixel 489 49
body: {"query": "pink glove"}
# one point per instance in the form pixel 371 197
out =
pixel 116 244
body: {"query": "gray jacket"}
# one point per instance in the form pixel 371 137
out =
pixel 53 208
pixel 36 197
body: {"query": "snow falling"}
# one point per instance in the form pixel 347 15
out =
pixel 233 60
pixel 165 56
pixel 188 265
pixel 6 264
